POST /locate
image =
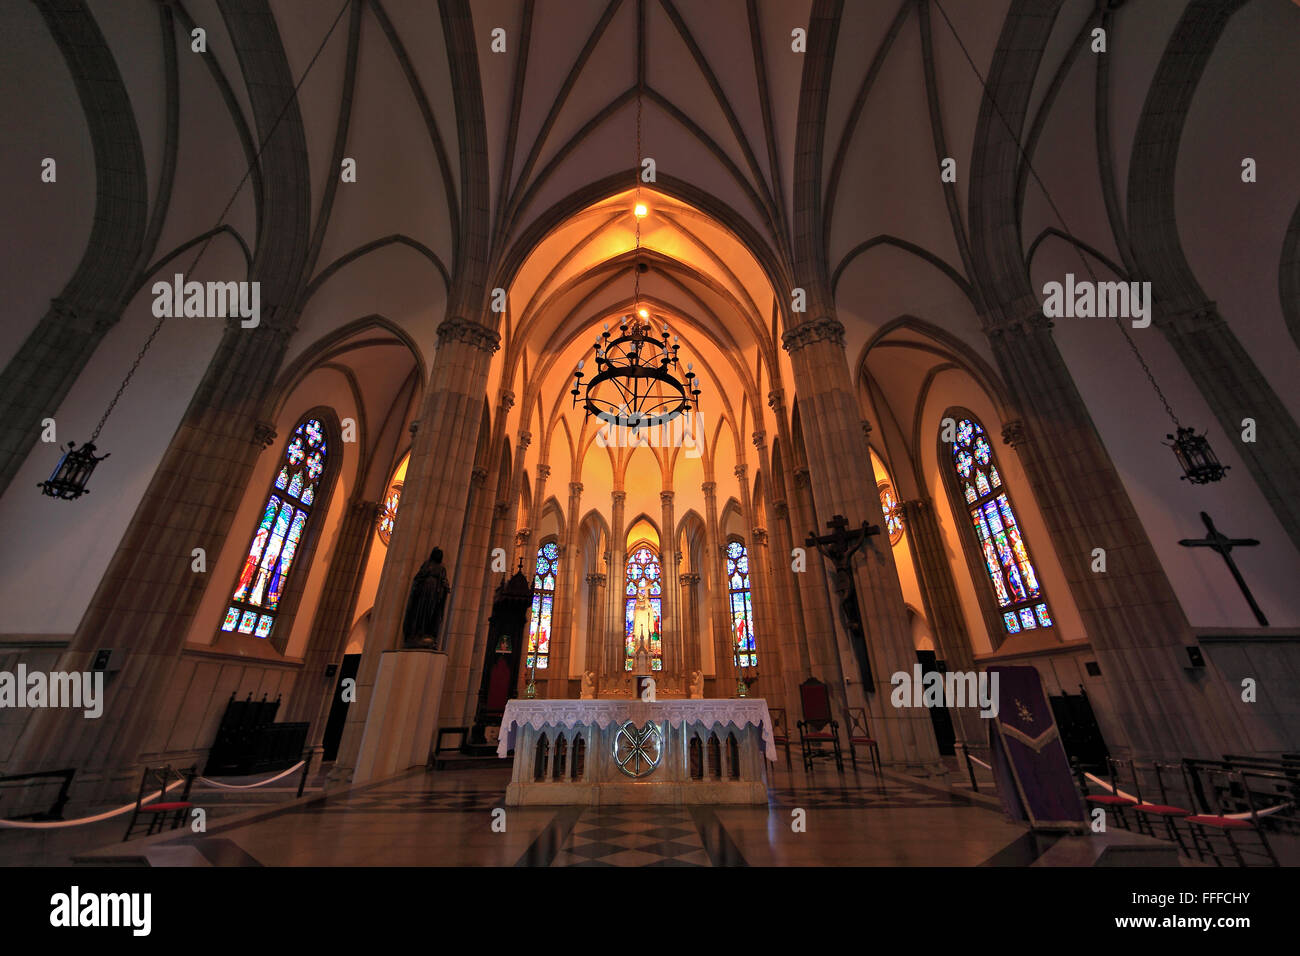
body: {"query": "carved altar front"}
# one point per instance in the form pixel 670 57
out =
pixel 594 752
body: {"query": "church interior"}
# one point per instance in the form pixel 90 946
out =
pixel 647 424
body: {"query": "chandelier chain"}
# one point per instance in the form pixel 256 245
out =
pixel 992 101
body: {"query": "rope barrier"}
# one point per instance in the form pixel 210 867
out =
pixel 250 786
pixel 82 821
pixel 978 761
pixel 1267 811
pixel 109 814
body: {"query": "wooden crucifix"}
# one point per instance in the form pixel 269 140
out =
pixel 1221 543
pixel 838 547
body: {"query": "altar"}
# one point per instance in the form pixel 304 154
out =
pixel 594 752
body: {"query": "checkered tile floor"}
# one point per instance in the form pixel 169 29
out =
pixel 635 836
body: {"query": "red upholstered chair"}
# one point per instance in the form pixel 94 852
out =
pixel 1224 795
pixel 156 779
pixel 860 735
pixel 818 729
pixel 1112 800
pixel 781 731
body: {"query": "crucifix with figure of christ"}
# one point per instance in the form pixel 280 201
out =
pixel 1221 543
pixel 838 547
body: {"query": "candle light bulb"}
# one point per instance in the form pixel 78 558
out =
pixel 579 365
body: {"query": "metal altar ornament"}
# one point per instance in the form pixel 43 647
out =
pixel 74 469
pixel 638 752
pixel 1199 463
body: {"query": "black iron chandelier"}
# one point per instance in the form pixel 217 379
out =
pixel 635 385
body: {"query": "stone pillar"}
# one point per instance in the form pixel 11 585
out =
pixel 790 637
pixel 312 694
pixel 434 500
pixel 1133 618
pixel 843 483
pixel 690 604
pixel 670 561
pixel 942 606
pixel 467 633
pixel 614 630
pixel 724 665
pixel 566 598
pixel 594 655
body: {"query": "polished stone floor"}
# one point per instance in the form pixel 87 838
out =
pixel 446 819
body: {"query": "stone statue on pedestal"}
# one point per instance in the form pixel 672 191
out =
pixel 697 685
pixel 428 600
pixel 588 685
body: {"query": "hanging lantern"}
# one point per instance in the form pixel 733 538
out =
pixel 72 472
pixel 1197 458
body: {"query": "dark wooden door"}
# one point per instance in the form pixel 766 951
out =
pixel 944 734
pixel 338 715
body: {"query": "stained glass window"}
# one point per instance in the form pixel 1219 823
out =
pixel 539 631
pixel 1016 587
pixel 643 570
pixel 893 512
pixel 388 514
pixel 742 608
pixel 262 580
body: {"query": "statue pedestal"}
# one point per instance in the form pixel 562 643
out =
pixel 403 713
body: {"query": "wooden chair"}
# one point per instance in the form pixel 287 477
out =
pixel 817 729
pixel 860 735
pixel 781 732
pixel 159 779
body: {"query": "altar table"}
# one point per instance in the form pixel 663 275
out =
pixel 595 752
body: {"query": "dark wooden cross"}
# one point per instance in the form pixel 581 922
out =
pixel 1223 544
pixel 838 547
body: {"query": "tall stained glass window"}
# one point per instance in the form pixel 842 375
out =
pixel 388 514
pixel 539 631
pixel 1015 582
pixel 256 599
pixel 742 608
pixel 643 569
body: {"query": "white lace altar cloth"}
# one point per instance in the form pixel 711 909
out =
pixel 601 713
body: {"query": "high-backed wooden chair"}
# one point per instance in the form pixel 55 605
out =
pixel 860 735
pixel 155 779
pixel 781 732
pixel 818 728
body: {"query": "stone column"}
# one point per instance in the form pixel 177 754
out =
pixel 942 605
pixel 670 560
pixel 312 694
pixel 724 665
pixel 467 633
pixel 791 638
pixel 595 616
pixel 840 464
pixel 434 500
pixel 614 630
pixel 690 604
pixel 566 598
pixel 1133 618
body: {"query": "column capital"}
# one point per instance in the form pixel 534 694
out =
pixel 916 505
pixel 690 577
pixel 781 509
pixel 543 470
pixel 866 429
pixel 618 497
pixel 522 536
pixel 456 328
pixel 776 399
pixel 826 328
pixel 802 477
pixel 760 439
pixel 741 470
pixel 507 399
pixel 363 508
pixel 760 536
pixel 89 321
pixel 263 433
pixel 1014 433
pixel 525 439
pixel 596 580
pixel 1021 317
pixel 709 487
pixel 666 497
pixel 502 508
pixel 478 477
pixel 575 488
